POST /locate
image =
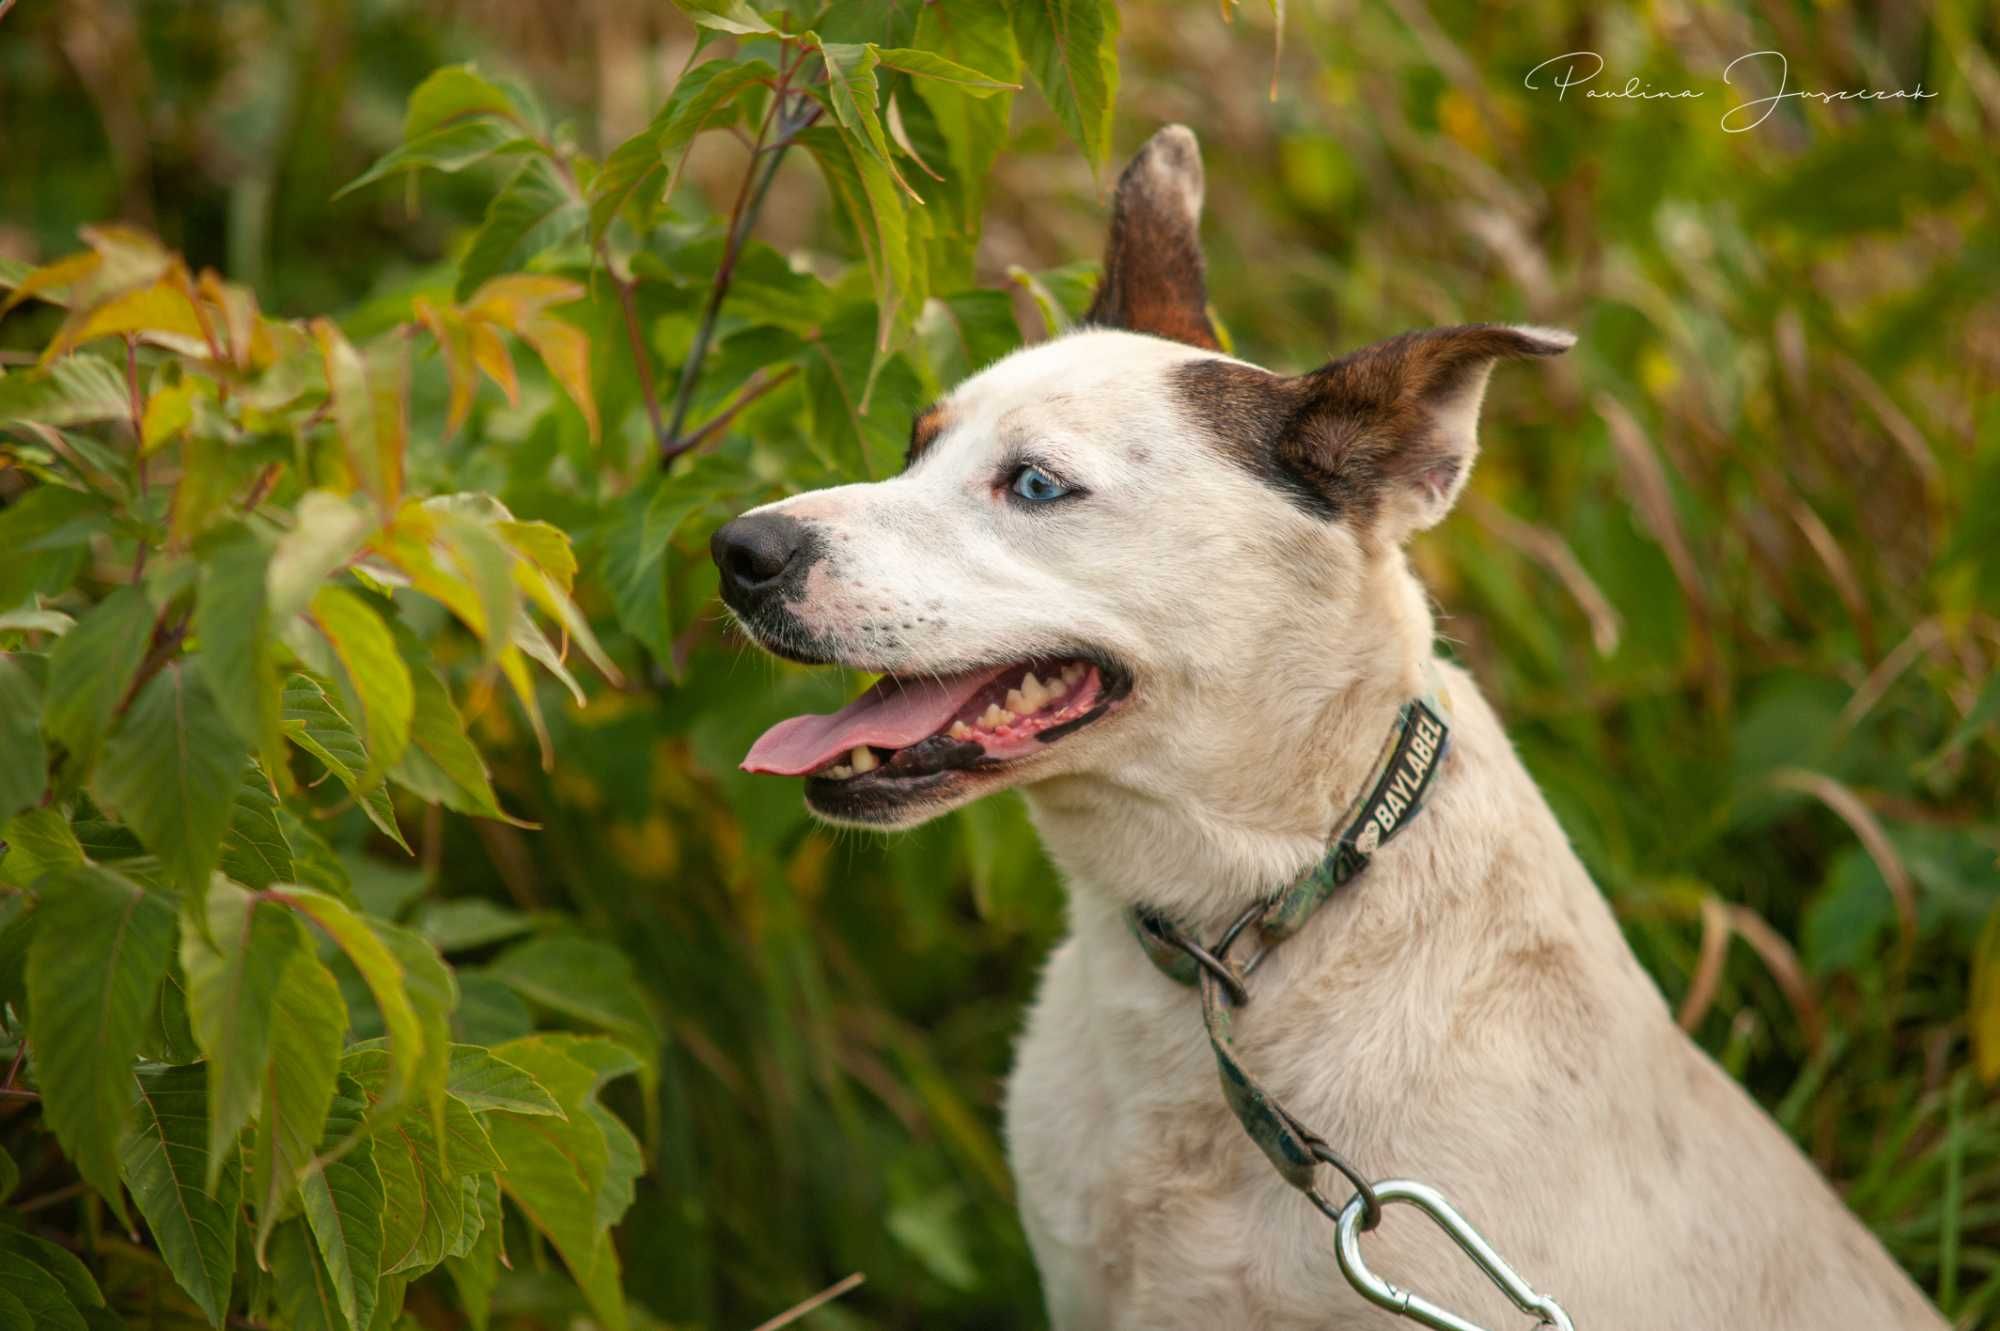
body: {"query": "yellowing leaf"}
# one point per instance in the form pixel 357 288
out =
pixel 489 353
pixel 245 336
pixel 372 446
pixel 169 411
pixel 566 351
pixel 454 344
pixel 373 674
pixel 518 298
pixel 164 311
pixel 46 281
pixel 329 532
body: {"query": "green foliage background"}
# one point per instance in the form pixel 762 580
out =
pixel 1731 570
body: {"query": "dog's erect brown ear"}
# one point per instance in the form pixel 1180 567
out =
pixel 1153 280
pixel 1394 427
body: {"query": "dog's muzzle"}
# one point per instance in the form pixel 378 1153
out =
pixel 764 559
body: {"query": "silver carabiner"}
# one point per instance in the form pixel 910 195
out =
pixel 1415 1306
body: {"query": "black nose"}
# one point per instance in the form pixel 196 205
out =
pixel 755 551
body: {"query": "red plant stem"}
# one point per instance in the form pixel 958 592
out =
pixel 755 389
pixel 742 217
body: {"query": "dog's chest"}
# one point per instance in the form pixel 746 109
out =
pixel 1144 1201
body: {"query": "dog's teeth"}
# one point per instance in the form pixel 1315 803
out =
pixel 993 718
pixel 864 759
pixel 1033 692
pixel 1072 673
pixel 1054 686
pixel 959 730
pixel 839 772
pixel 1016 703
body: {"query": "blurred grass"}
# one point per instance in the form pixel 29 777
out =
pixel 1731 570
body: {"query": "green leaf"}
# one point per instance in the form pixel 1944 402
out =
pixel 73 391
pixel 441 764
pixel 624 1161
pixel 931 65
pixel 14 1315
pixel 305 1292
pixel 449 148
pixel 235 962
pixel 38 840
pixel 172 770
pixel 870 441
pixel 232 624
pixel 298 1091
pixel 100 949
pixel 454 93
pixel 345 1203
pixel 387 983
pixel 636 544
pixel 489 1012
pixel 582 979
pixel 10 1174
pixel 559 1169
pixel 854 94
pixel 165 1160
pixel 315 864
pixel 433 992
pixel 255 851
pixel 477 1270
pixel 422 1169
pixel 972 125
pixel 725 16
pixel 465 923
pixel 24 758
pixel 78 1286
pixel 36 621
pixel 371 672
pixel 1071 49
pixel 39 1292
pixel 697 98
pixel 483 1081
pixel 875 209
pixel 46 534
pixel 965 332
pixel 312 721
pixel 90 669
pixel 535 211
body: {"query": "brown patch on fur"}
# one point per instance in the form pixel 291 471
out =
pixel 924 430
pixel 1154 279
pixel 1338 439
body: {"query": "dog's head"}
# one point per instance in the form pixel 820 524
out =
pixel 1107 554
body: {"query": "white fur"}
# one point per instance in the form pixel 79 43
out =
pixel 1466 1013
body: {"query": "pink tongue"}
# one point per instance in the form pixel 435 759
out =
pixel 894 714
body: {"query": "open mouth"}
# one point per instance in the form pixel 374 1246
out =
pixel 908 735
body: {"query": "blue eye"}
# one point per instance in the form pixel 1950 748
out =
pixel 1037 486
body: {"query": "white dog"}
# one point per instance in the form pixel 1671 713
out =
pixel 1164 592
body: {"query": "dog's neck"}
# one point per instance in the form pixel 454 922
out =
pixel 1200 826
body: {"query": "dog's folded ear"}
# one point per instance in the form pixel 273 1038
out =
pixel 1153 275
pixel 1391 430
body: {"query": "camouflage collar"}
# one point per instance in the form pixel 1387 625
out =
pixel 1400 780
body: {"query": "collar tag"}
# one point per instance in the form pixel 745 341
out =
pixel 1404 772
pixel 1405 780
